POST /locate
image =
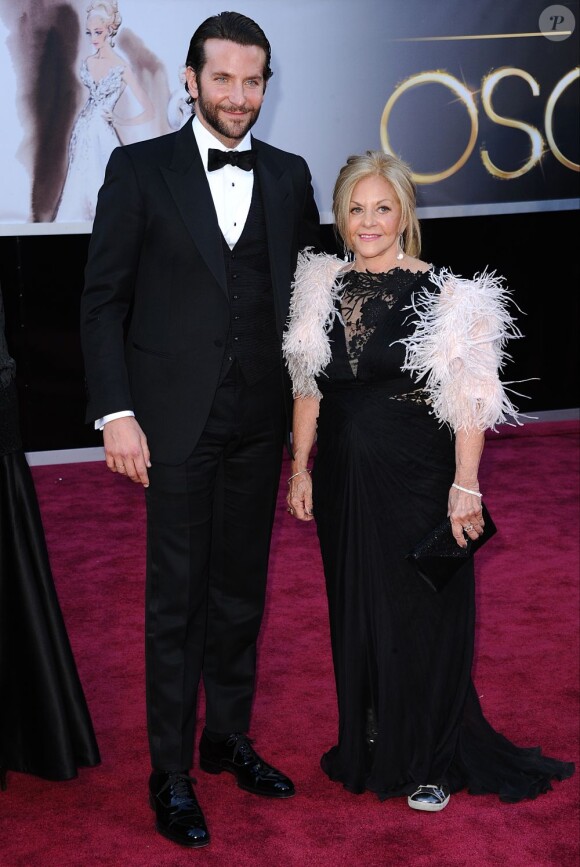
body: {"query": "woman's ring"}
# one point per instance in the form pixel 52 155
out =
pixel 468 528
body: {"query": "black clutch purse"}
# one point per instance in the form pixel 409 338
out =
pixel 437 557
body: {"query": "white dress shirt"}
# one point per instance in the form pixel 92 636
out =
pixel 231 191
pixel 231 187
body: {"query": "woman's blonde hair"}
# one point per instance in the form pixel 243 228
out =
pixel 400 177
pixel 108 12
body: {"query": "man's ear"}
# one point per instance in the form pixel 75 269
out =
pixel 191 79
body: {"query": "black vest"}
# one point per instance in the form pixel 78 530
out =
pixel 253 339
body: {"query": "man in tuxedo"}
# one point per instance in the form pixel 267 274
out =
pixel 187 289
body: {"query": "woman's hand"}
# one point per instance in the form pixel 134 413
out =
pixel 299 497
pixel 464 510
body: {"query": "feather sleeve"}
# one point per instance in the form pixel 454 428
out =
pixel 305 345
pixel 458 348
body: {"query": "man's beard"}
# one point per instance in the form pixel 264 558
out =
pixel 233 129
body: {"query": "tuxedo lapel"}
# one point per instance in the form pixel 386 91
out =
pixel 187 182
pixel 278 200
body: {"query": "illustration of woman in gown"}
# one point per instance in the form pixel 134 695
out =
pixel 106 75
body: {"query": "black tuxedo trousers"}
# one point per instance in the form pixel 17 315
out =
pixel 208 538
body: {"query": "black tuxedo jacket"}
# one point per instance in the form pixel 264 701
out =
pixel 155 309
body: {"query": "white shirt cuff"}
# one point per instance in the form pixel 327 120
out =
pixel 101 422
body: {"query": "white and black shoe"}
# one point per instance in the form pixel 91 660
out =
pixel 432 799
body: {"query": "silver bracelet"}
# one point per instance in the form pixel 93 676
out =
pixel 297 474
pixel 467 490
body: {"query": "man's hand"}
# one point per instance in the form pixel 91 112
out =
pixel 126 449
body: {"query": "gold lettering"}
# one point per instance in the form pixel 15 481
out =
pixel 460 90
pixel 548 120
pixel 537 142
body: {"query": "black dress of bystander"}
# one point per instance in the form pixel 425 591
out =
pixel 45 726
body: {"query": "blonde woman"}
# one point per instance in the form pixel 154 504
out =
pixel 395 370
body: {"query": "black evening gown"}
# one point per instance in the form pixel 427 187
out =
pixel 408 711
pixel 45 726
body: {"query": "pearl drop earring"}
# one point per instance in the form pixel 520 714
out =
pixel 400 254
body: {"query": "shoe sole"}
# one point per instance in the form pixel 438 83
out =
pixel 428 808
pixel 212 768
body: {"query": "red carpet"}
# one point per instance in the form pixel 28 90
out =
pixel 526 673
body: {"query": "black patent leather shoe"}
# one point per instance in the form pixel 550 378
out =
pixel 178 815
pixel 236 755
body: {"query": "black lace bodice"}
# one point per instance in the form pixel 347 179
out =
pixel 365 301
pixel 373 316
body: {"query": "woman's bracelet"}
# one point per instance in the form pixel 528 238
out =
pixel 297 474
pixel 467 490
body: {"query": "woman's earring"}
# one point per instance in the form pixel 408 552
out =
pixel 401 253
pixel 348 254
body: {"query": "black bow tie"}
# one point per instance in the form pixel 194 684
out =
pixel 217 159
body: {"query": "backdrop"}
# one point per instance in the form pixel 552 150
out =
pixel 480 98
